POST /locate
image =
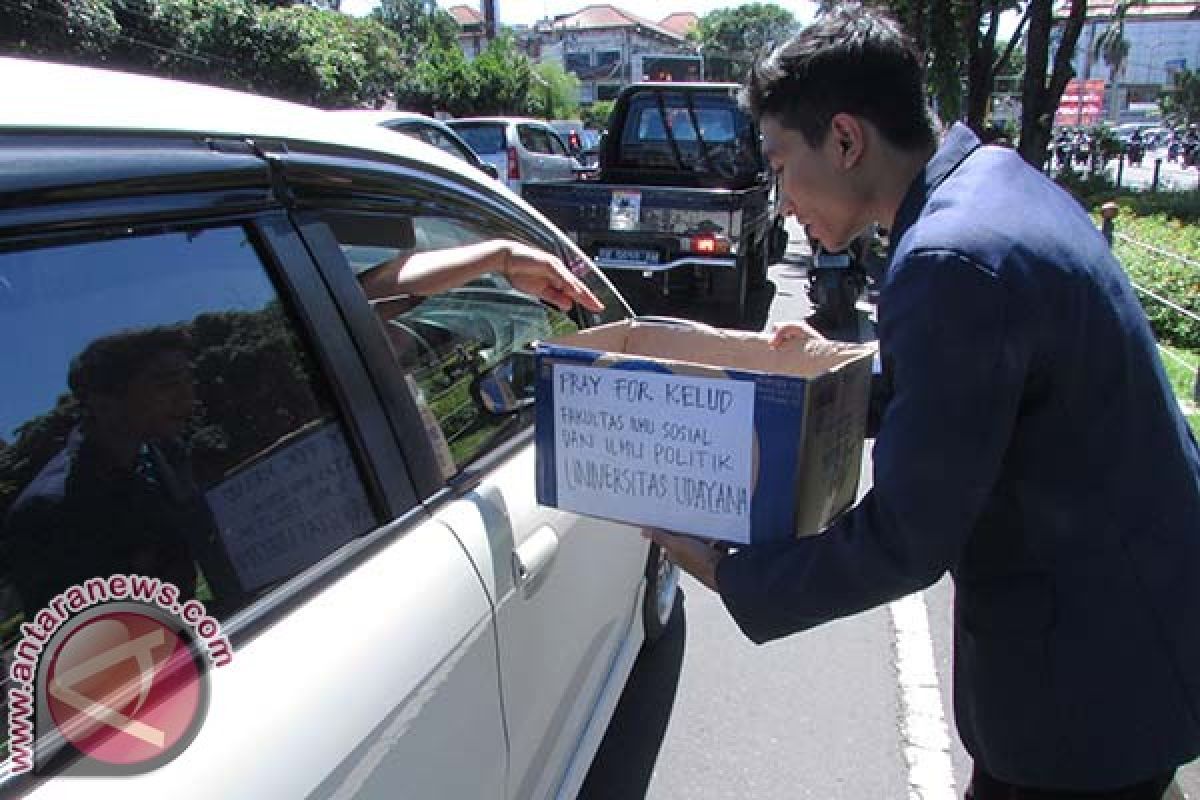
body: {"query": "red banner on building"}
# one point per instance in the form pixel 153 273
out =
pixel 1082 103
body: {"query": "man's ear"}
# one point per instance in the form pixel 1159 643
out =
pixel 849 138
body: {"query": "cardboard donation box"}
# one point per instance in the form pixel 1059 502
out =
pixel 701 431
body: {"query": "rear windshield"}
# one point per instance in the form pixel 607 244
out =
pixel 694 132
pixel 483 137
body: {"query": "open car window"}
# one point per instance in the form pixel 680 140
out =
pixel 447 344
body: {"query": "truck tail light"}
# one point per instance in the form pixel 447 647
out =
pixel 514 166
pixel 709 244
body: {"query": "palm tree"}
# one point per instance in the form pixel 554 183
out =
pixel 1113 47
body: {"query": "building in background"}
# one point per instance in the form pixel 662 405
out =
pixel 1163 38
pixel 681 23
pixel 472 30
pixel 605 46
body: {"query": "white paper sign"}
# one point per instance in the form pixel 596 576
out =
pixel 292 507
pixel 625 210
pixel 669 451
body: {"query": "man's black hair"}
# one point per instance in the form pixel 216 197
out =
pixel 852 60
pixel 109 363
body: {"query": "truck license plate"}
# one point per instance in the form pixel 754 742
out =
pixel 629 255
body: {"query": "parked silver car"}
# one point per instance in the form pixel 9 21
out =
pixel 203 392
pixel 523 150
pixel 427 129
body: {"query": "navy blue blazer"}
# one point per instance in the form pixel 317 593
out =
pixel 1032 447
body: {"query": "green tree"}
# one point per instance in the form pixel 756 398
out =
pixel 1181 103
pixel 732 39
pixel 1045 80
pixel 421 26
pixel 75 30
pixel 503 79
pixel 596 115
pixel 987 58
pixel 1113 47
pixel 555 92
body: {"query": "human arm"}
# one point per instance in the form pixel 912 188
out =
pixel 434 271
pixel 958 359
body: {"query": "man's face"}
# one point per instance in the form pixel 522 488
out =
pixel 157 402
pixel 813 185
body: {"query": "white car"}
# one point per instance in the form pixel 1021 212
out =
pixel 427 129
pixel 522 150
pixel 196 386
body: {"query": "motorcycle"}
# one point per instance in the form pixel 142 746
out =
pixel 1137 152
pixel 836 282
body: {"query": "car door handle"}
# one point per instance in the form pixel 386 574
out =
pixel 532 558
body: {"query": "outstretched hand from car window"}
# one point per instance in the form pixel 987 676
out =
pixel 538 273
pixel 435 271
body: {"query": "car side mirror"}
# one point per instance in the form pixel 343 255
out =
pixel 490 169
pixel 508 387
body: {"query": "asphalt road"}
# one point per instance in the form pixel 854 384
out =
pixel 707 715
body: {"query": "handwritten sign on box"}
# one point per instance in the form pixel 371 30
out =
pixel 673 451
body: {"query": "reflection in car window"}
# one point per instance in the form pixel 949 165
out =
pixel 446 343
pixel 162 418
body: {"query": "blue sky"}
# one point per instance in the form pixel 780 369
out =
pixel 515 12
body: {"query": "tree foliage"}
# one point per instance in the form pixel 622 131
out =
pixel 597 114
pixel 732 39
pixel 1181 104
pixel 420 26
pixel 500 81
pixel 555 92
pixel 290 50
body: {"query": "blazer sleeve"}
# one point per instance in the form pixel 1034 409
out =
pixel 957 369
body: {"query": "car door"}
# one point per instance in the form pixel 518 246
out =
pixel 363 651
pixel 489 140
pixel 537 160
pixel 561 163
pixel 564 587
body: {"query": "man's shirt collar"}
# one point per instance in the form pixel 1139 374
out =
pixel 958 143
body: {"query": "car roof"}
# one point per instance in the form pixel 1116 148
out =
pixel 499 120
pixel 383 117
pixel 684 85
pixel 59 98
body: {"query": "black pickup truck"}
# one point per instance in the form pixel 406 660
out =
pixel 682 194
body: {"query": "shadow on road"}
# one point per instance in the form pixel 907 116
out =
pixel 627 755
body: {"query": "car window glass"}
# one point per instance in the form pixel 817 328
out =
pixel 534 139
pixel 556 145
pixel 484 139
pixel 448 343
pixel 446 144
pixel 163 417
pixel 711 134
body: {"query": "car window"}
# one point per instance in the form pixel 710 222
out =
pixel 163 417
pixel 483 138
pixel 443 142
pixel 446 344
pixel 432 135
pixel 694 131
pixel 556 145
pixel 534 139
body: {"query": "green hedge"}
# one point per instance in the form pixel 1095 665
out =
pixel 1167 277
pixel 1168 222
